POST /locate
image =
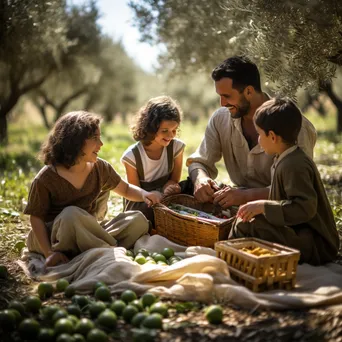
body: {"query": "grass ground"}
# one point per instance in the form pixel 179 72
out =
pixel 18 166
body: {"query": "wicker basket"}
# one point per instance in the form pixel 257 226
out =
pixel 188 230
pixel 277 270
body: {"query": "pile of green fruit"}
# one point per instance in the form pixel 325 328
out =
pixel 91 319
pixel 143 256
pixel 95 318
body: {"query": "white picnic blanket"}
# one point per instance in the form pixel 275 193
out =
pixel 199 277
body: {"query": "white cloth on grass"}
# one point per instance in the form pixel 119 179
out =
pixel 199 277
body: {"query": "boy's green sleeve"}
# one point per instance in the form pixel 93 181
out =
pixel 300 204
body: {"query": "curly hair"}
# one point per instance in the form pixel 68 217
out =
pixel 151 115
pixel 67 138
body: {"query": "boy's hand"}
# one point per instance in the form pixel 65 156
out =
pixel 151 198
pixel 172 189
pixel 56 258
pixel 247 211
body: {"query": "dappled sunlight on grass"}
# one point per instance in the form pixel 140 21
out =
pixel 325 124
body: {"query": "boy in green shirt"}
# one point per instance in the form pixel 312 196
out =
pixel 297 213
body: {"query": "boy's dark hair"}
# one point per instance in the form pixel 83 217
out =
pixel 150 116
pixel 241 70
pixel 281 116
pixel 67 138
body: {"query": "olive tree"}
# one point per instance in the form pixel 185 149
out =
pixel 32 38
pixel 78 71
pixel 115 91
pixel 297 43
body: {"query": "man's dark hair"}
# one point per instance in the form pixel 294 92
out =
pixel 241 70
pixel 67 138
pixel 281 116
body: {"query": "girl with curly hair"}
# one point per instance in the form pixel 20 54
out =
pixel 154 163
pixel 68 196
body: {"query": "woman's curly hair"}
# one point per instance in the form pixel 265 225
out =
pixel 67 138
pixel 150 116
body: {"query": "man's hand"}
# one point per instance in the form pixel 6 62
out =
pixel 204 189
pixel 247 211
pixel 229 196
pixel 56 258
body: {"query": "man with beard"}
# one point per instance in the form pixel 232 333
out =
pixel 231 134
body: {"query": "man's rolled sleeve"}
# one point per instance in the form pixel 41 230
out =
pixel 195 166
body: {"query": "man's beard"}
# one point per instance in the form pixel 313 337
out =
pixel 241 109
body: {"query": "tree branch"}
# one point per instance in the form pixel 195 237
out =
pixel 72 97
pixel 327 88
pixel 35 84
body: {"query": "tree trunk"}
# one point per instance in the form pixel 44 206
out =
pixel 90 101
pixel 5 108
pixel 42 109
pixel 61 108
pixel 3 129
pixel 327 88
pixel 339 120
pixel 7 104
pixel 124 117
pixel 45 119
